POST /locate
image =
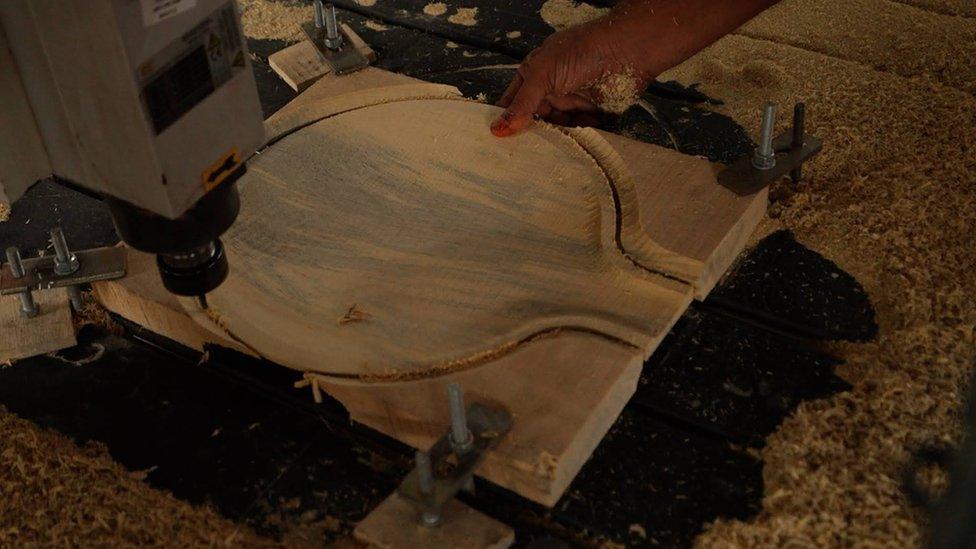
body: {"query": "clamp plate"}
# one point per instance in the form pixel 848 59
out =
pixel 94 265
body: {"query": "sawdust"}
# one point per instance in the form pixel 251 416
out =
pixel 563 14
pixel 617 92
pixel 366 3
pixel 513 34
pixel 4 212
pixel 467 17
pixel 56 493
pixel 947 7
pixel 881 34
pixel 279 20
pixel 893 201
pixel 435 9
pixel 376 26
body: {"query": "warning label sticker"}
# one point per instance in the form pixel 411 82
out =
pixel 156 11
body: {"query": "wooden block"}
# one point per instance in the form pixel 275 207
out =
pixel 684 209
pixel 394 524
pixel 51 330
pixel 301 65
pixel 141 298
pixel 564 387
pixel 564 393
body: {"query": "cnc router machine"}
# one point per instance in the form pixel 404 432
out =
pixel 149 103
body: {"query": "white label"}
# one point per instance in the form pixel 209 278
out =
pixel 155 11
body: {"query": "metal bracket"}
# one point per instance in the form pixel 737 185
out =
pixel 451 472
pixel 791 150
pixel 39 273
pixel 333 44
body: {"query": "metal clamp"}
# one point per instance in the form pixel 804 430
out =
pixel 773 157
pixel 331 41
pixel 449 466
pixel 65 269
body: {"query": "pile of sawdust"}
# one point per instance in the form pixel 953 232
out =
pixel 55 493
pixel 279 20
pixel 893 201
pixel 563 14
pixel 435 9
pixel 904 40
pixel 948 7
pixel 467 17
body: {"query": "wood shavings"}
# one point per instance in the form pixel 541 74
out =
pixel 435 9
pixel 274 20
pixel 376 26
pixel 4 212
pixel 892 200
pixel 366 3
pixel 56 493
pixel 512 35
pixel 467 17
pixel 563 14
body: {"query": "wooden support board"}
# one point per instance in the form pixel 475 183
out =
pixel 50 330
pixel 301 65
pixel 564 386
pixel 394 525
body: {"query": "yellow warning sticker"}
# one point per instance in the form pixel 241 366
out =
pixel 218 172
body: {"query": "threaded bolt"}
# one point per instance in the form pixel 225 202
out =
pixel 65 262
pixel 319 14
pixel 461 438
pixel 28 307
pixel 333 40
pixel 765 156
pixel 425 479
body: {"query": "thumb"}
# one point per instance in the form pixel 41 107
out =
pixel 524 105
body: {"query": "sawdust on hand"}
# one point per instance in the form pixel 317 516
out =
pixel 563 14
pixel 617 92
pixel 435 9
pixel 467 17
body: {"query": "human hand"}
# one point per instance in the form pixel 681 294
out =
pixel 569 78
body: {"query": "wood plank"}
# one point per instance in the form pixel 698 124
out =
pixel 564 392
pixel 394 525
pixel 301 65
pixel 453 246
pixel 685 210
pixel 564 389
pixel 51 330
pixel 699 226
pixel 141 298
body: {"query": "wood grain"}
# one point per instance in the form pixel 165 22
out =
pixel 453 245
pixel 50 330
